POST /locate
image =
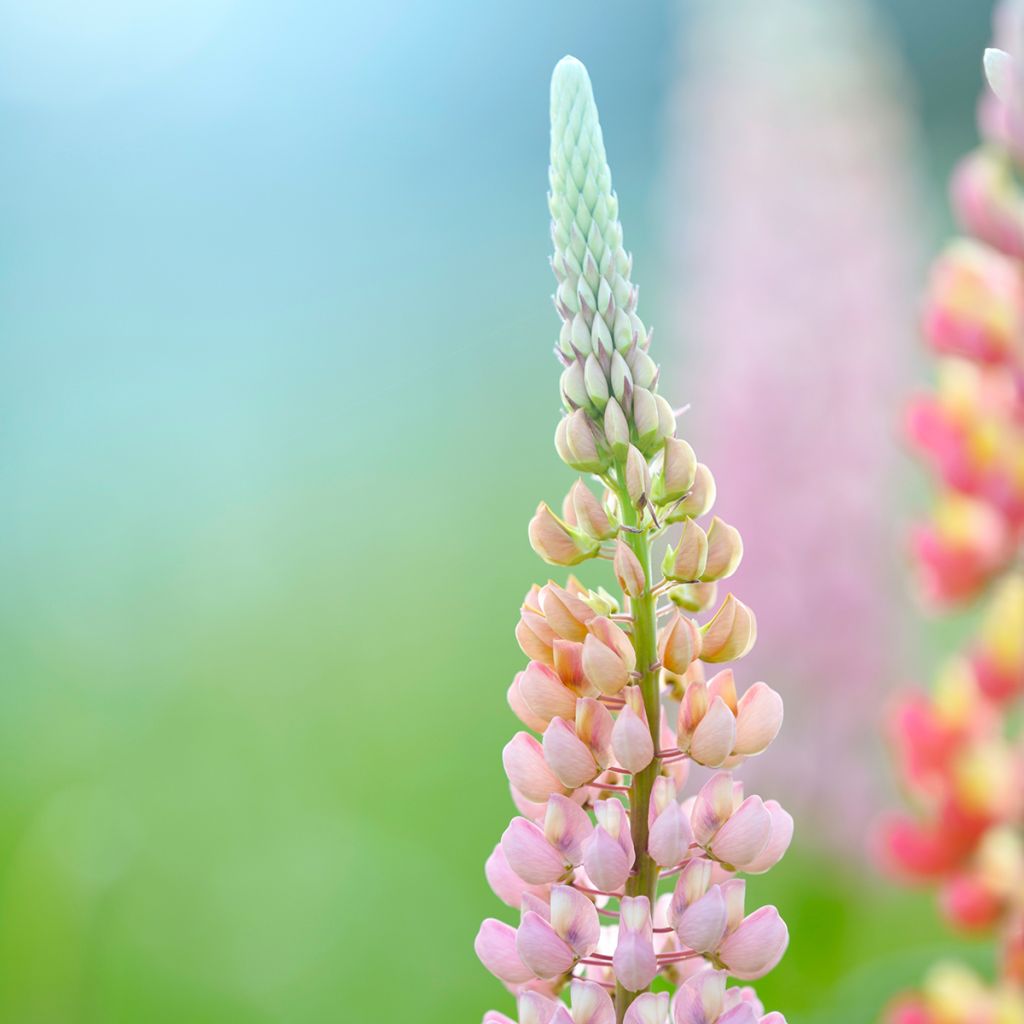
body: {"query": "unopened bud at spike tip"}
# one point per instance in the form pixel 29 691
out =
pixel 628 570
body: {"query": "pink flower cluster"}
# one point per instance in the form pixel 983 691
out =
pixel 971 427
pixel 960 747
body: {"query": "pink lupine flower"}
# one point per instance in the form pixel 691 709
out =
pixel 958 746
pixel 756 945
pixel 614 699
pixel 773 272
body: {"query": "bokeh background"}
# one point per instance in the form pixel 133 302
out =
pixel 276 402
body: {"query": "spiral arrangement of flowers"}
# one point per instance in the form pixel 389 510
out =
pixel 625 885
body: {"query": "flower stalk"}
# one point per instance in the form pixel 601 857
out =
pixel 615 700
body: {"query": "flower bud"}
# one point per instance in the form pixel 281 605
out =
pixel 530 855
pixel 566 614
pixel 556 541
pixel 634 961
pixel 596 383
pixel 582 442
pixel 699 498
pixel 678 471
pixel 622 378
pixel 725 549
pixel 742 839
pixel 611 636
pixel 591 517
pixel 730 634
pixel 638 477
pixel 631 735
pixel 694 597
pixel 605 861
pixel 645 419
pixel 540 948
pixel 679 643
pixel 574 390
pixel 628 570
pixel 687 562
pixel 603 668
pixel 616 429
pixel 713 738
pixel 670 836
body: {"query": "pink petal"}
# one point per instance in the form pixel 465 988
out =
pixel 567 755
pixel 712 807
pixel 670 836
pixel 605 861
pixel 507 885
pixel 773 1018
pixel 693 882
pixel 591 1004
pixel 495 945
pixel 530 855
pixel 566 826
pixel 742 839
pixel 523 758
pixel 631 741
pixel 699 999
pixel 535 1008
pixel 758 719
pixel 594 726
pixel 735 892
pixel 634 960
pixel 545 694
pixel 521 709
pixel 562 1016
pixel 702 925
pixel 575 919
pixel 713 739
pixel 614 819
pixel 756 946
pixel 604 668
pixel 741 1013
pixel 650 1008
pixel 778 843
pixel 493 1017
pixel 540 948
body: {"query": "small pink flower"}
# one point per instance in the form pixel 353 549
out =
pixel 650 1008
pixel 742 839
pixel 758 719
pixel 634 960
pixel 670 836
pixel 631 735
pixel 699 1000
pixel 530 855
pixel 496 947
pixel 568 757
pixel 527 770
pixel 545 694
pixel 507 885
pixel 756 946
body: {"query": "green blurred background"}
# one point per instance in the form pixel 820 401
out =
pixel 277 402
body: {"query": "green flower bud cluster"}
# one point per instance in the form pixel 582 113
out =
pixel 609 385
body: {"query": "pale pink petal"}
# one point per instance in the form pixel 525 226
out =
pixel 631 741
pixel 493 1017
pixel 540 948
pixel 712 807
pixel 756 946
pixel 693 882
pixel 699 999
pixel 537 904
pixel 507 885
pixel 634 960
pixel 535 1008
pixel 530 855
pixel 575 919
pixel 604 668
pixel 758 719
pixel 773 1018
pixel 567 755
pixel 591 1004
pixel 614 818
pixel 594 724
pixel 735 892
pixel 670 836
pixel 523 758
pixel 521 709
pixel 545 694
pixel 715 735
pixel 741 1013
pixel 744 836
pixel 566 826
pixel 495 945
pixel 606 861
pixel 702 925
pixel 778 843
pixel 650 1008
pixel 561 1016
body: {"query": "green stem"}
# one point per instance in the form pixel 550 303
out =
pixel 644 879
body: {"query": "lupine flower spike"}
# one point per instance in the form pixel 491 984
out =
pixel 960 747
pixel 618 877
